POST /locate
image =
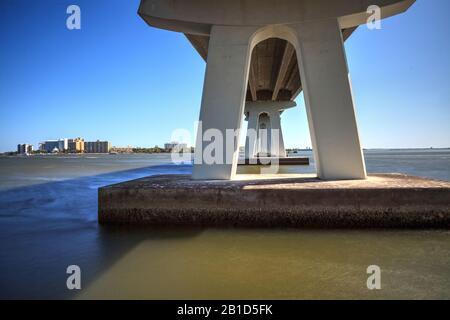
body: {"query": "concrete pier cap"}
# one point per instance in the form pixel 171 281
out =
pixel 304 51
pixel 198 16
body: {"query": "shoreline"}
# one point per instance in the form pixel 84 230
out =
pixel 293 151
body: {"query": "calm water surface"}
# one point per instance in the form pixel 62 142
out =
pixel 48 220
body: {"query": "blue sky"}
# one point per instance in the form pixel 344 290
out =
pixel 120 80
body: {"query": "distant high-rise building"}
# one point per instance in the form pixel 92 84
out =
pixel 97 146
pixel 76 145
pixel 54 145
pixel 63 144
pixel 24 148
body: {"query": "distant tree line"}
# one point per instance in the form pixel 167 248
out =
pixel 155 149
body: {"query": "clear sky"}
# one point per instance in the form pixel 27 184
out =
pixel 120 80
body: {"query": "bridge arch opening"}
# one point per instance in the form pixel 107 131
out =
pixel 274 85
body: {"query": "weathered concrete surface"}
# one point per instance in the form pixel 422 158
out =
pixel 285 161
pixel 381 201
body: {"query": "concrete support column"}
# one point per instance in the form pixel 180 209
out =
pixel 273 109
pixel 275 123
pixel 264 135
pixel 250 141
pixel 224 92
pixel 329 101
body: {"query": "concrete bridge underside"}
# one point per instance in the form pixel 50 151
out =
pixel 269 51
pixel 274 70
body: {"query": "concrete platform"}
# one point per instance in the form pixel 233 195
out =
pixel 287 161
pixel 381 201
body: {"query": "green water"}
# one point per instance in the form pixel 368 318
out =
pixel 279 264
